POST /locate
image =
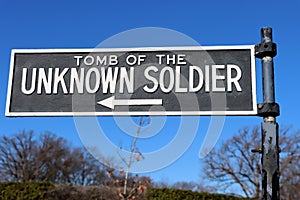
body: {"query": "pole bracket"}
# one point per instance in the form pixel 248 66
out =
pixel 265 49
pixel 268 109
pixel 256 151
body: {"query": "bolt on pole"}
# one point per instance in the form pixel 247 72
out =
pixel 269 110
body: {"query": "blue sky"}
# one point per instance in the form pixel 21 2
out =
pixel 85 24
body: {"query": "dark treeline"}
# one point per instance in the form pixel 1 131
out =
pixel 47 157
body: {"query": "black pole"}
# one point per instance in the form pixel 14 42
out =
pixel 267 68
pixel 269 110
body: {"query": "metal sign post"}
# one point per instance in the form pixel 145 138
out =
pixel 269 110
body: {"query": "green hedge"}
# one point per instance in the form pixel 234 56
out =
pixel 49 191
pixel 21 191
pixel 174 194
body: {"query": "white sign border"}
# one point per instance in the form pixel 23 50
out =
pixel 135 113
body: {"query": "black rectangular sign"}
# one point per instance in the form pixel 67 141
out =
pixel 214 80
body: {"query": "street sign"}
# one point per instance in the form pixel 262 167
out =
pixel 214 80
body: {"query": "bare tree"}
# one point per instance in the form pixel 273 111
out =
pixel 234 163
pixel 131 185
pixel 290 165
pixel 54 158
pixel 78 167
pixel 24 157
pixel 17 157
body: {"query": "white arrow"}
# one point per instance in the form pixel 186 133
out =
pixel 111 102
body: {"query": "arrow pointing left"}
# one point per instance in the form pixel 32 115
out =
pixel 111 102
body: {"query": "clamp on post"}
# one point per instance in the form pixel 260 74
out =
pixel 265 49
pixel 268 109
